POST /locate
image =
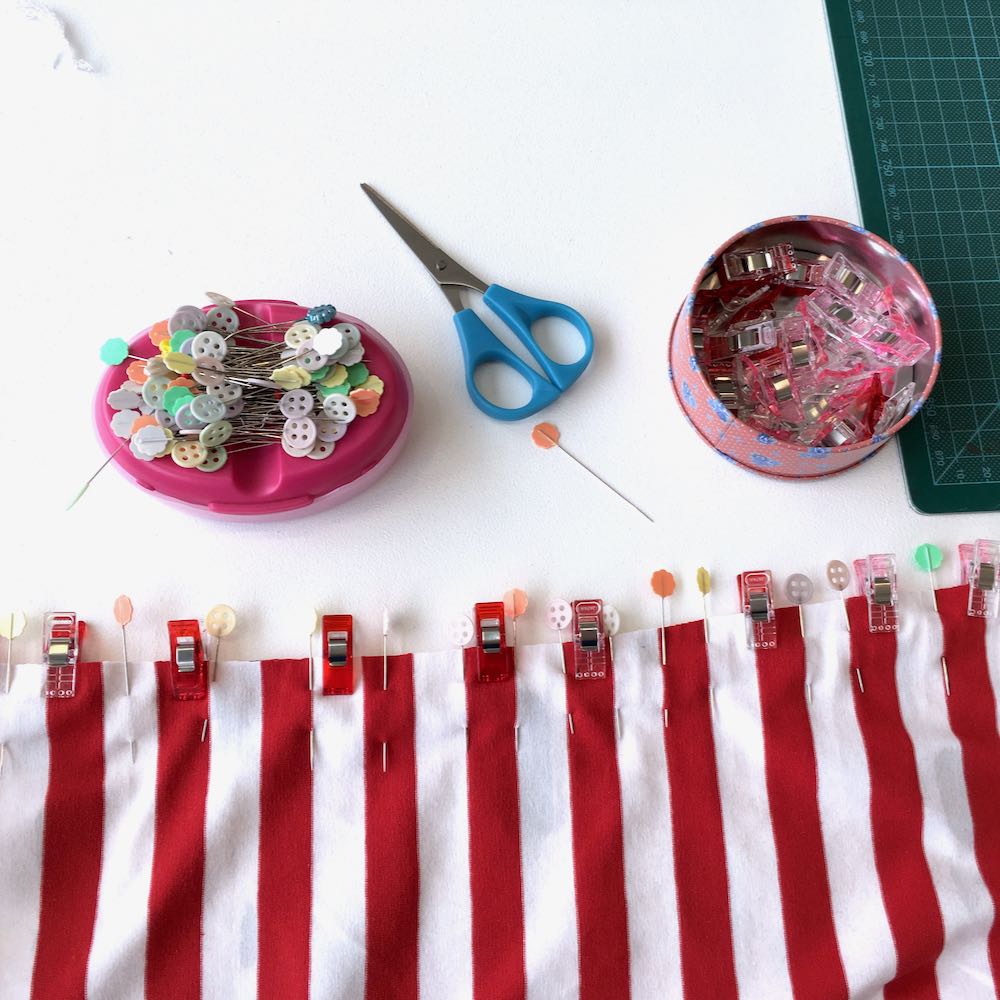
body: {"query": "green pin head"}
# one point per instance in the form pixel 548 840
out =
pixel 928 557
pixel 114 351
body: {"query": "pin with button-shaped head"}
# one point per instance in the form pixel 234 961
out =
pixel 515 603
pixel 757 602
pixel 547 436
pixel 62 637
pixel 12 624
pixel 876 576
pixel 188 666
pixel 980 562
pixel 494 658
pixel 339 669
pixel 839 578
pixel 558 617
pixel 219 622
pixel 929 558
pixel 612 625
pixel 799 591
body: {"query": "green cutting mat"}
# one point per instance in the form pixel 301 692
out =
pixel 920 81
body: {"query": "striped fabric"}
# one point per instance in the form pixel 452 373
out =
pixel 784 835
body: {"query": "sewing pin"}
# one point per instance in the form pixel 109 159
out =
pixel 385 649
pixel 612 623
pixel 204 730
pixel 515 603
pixel 310 620
pixel 799 590
pixel 547 436
pixel 558 615
pixel 123 615
pixel 227 303
pixel 839 577
pixel 385 757
pixel 11 626
pixel 569 716
pixel 103 466
pixel 704 580
pixel 312 749
pixel 663 585
pixel 219 622
pixel 928 558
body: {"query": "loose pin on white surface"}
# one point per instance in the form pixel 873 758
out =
pixel 547 436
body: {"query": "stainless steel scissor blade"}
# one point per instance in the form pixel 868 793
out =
pixel 448 273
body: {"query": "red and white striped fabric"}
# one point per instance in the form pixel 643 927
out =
pixel 763 844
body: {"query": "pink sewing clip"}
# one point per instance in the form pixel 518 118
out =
pixel 876 576
pixel 757 601
pixel 752 266
pixel 62 639
pixel 591 655
pixel 979 563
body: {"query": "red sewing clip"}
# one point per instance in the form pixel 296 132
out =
pixel 62 638
pixel 757 601
pixel 591 655
pixel 339 676
pixel 876 578
pixel 494 658
pixel 188 666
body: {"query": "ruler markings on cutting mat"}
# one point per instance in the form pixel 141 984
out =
pixel 920 83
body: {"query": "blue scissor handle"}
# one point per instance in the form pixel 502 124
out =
pixel 480 346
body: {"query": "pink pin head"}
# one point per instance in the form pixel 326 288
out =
pixel 123 610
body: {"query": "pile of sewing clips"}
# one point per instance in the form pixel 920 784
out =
pixel 217 389
pixel 811 349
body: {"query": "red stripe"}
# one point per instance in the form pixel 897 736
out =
pixel 173 948
pixel 708 967
pixel 498 969
pixel 814 961
pixel 972 709
pixel 392 890
pixel 284 901
pixel 72 839
pixel 897 812
pixel 598 853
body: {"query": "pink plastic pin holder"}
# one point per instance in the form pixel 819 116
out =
pixel 804 344
pixel 193 459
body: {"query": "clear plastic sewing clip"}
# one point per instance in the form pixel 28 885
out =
pixel 980 561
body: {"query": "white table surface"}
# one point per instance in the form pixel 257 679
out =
pixel 586 151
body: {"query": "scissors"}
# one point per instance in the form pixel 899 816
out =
pixel 479 344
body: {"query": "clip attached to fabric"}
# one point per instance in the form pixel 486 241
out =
pixel 979 563
pixel 591 652
pixel 339 674
pixel 876 578
pixel 494 658
pixel 188 666
pixel 757 601
pixel 62 637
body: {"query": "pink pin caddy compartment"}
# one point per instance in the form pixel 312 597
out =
pixel 267 482
pixel 775 373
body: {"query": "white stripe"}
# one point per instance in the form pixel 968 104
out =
pixel 117 963
pixel 232 833
pixel 844 791
pixel 337 945
pixel 650 890
pixel 23 785
pixel 966 906
pixel 755 899
pixel 550 933
pixel 445 932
